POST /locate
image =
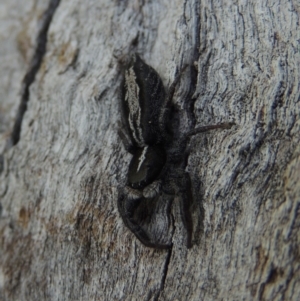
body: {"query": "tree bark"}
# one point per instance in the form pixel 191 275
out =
pixel 62 161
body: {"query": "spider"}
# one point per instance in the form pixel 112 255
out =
pixel 156 173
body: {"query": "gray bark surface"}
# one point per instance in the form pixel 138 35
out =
pixel 61 236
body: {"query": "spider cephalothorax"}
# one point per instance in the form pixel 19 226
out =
pixel 157 169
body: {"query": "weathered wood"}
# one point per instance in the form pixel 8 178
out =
pixel 61 236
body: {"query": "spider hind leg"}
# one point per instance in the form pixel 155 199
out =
pixel 185 202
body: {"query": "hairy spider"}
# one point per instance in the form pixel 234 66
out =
pixel 156 172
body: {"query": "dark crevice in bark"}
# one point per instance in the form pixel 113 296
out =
pixel 1 164
pixel 34 66
pixel 164 275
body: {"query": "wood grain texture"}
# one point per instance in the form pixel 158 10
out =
pixel 18 29
pixel 61 237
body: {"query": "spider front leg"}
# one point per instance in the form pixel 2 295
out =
pixel 206 128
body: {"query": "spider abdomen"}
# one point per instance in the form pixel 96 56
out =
pixel 143 99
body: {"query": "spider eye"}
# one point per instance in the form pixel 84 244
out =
pixel 146 166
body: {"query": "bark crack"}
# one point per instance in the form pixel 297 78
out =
pixel 164 275
pixel 34 66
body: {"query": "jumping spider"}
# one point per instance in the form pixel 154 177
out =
pixel 151 134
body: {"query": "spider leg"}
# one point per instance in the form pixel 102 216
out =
pixel 152 190
pixel 127 206
pixel 169 107
pixel 206 128
pixel 186 199
pixel 172 88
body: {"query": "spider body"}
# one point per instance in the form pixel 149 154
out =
pixel 157 168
